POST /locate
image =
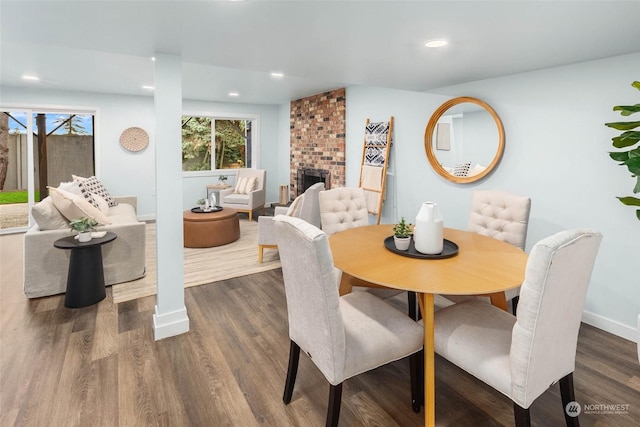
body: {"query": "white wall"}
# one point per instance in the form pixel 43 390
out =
pixel 555 153
pixel 127 173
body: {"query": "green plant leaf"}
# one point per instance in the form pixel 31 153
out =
pixel 627 110
pixel 630 200
pixel 623 125
pixel 620 156
pixel 633 164
pixel 638 214
pixel 636 84
pixel 636 189
pixel 626 139
pixel 623 156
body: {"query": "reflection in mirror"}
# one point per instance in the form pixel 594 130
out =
pixel 464 139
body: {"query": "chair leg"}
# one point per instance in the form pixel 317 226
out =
pixel 514 304
pixel 292 371
pixel 414 308
pixel 523 418
pixel 333 411
pixel 568 395
pixel 414 371
pixel 260 253
pixel 415 314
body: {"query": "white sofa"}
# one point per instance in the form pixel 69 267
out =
pixel 46 267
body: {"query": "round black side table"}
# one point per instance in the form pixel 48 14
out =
pixel 85 280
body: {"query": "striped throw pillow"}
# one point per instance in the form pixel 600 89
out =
pixel 245 185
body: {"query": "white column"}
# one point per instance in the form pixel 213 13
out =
pixel 170 317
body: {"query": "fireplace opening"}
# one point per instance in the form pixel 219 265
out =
pixel 308 176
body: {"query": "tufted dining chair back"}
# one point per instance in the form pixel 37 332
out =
pixel 500 215
pixel 342 208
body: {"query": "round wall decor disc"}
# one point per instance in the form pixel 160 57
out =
pixel 134 139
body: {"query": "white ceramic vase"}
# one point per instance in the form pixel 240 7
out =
pixel 213 201
pixel 428 229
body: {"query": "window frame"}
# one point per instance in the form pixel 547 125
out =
pixel 255 141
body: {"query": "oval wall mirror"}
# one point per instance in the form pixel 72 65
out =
pixel 464 140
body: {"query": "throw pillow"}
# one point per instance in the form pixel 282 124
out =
pixel 47 216
pixel 100 203
pixel 461 169
pixel 93 185
pixel 71 187
pixel 245 185
pixel 294 209
pixel 72 206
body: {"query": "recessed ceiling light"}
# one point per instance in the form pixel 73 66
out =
pixel 277 75
pixel 436 43
pixel 234 94
pixel 32 78
pixel 148 87
pixel 153 58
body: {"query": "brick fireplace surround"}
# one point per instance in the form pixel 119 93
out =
pixel 317 126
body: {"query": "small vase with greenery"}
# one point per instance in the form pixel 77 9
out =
pixel 222 179
pixel 402 235
pixel 200 202
pixel 628 139
pixel 84 226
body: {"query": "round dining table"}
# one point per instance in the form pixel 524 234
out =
pixel 481 266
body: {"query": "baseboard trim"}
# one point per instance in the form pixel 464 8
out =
pixel 170 324
pixel 623 331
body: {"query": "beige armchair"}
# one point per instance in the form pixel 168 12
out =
pixel 305 207
pixel 522 356
pixel 248 193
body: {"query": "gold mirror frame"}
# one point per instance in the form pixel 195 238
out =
pixel 428 140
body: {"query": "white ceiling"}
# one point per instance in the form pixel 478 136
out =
pixel 106 46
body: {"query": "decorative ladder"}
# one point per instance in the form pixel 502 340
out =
pixel 373 168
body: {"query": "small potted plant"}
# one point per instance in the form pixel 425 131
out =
pixel 84 226
pixel 201 203
pixel 222 179
pixel 402 235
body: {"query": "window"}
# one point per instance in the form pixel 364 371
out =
pixel 40 149
pixel 232 148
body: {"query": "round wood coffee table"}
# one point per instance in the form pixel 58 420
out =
pixel 205 230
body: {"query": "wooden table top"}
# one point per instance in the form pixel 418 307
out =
pixel 483 265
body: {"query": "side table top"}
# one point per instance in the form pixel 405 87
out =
pixel 70 242
pixel 209 216
pixel 218 186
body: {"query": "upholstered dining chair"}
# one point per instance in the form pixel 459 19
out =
pixel 248 194
pixel 522 356
pixel 343 208
pixel 503 216
pixel 305 207
pixel 343 335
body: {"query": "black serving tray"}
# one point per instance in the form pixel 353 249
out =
pixel 199 210
pixel 449 249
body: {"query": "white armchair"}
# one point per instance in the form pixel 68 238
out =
pixel 344 336
pixel 522 356
pixel 248 193
pixel 305 207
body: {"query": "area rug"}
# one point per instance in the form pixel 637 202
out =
pixel 202 266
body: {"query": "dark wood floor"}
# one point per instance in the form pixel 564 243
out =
pixel 100 366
